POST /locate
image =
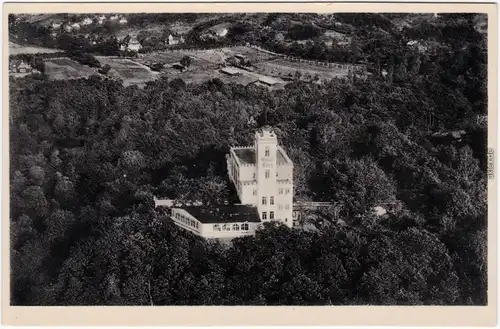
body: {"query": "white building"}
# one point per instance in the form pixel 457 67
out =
pixel 263 177
pixel 123 20
pixel 223 221
pixel 101 19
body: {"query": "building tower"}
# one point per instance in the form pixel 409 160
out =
pixel 266 144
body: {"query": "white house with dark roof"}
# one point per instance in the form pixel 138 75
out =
pixel 217 221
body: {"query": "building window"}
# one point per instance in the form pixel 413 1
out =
pixel 244 227
pixel 286 220
pixel 271 215
pixel 267 151
pixel 280 206
pixel 268 173
pixel 264 215
pixel 271 200
pixel 254 192
pixel 216 227
pixel 226 227
pixel 264 200
pixel 287 191
pixel 253 175
pixel 236 227
pixel 281 191
pixel 196 224
pixel 287 206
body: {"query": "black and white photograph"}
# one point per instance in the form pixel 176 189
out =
pixel 248 159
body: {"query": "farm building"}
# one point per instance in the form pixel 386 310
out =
pixel 230 71
pixel 75 26
pixel 123 20
pixel 114 18
pixel 67 28
pixel 268 81
pixel 56 26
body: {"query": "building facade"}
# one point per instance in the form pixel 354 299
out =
pixel 217 221
pixel 263 177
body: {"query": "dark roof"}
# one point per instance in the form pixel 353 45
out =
pixel 247 156
pixel 224 214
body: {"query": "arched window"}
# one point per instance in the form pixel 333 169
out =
pixel 226 227
pixel 236 227
pixel 244 227
pixel 216 227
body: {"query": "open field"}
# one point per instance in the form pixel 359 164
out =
pixel 65 68
pixel 15 49
pixel 205 65
pixel 132 73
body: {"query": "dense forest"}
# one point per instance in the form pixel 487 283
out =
pixel 87 156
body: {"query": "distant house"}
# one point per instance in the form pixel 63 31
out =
pixel 101 19
pixel 75 26
pixel 114 18
pixel 379 211
pixel 67 28
pixel 56 26
pixel 123 20
pixel 134 45
pixel 279 37
pixel 19 66
pixel 171 40
pixel 86 21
